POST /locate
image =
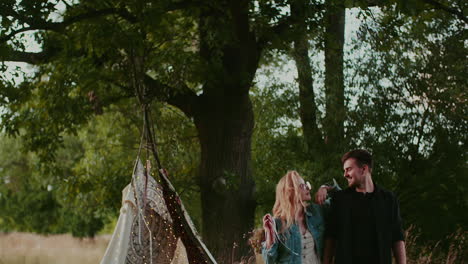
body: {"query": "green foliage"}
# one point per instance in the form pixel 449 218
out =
pixel 25 202
pixel 81 189
pixel 406 103
pixel 278 143
pixel 411 112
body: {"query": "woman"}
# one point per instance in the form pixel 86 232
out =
pixel 295 235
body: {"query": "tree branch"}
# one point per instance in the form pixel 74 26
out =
pixel 66 3
pixel 283 27
pixel 28 57
pixel 368 3
pixel 447 9
pixel 181 96
pixel 60 26
pixel 434 3
pixel 179 5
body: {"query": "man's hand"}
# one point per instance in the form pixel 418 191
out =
pixel 321 194
pixel 268 226
pixel 329 251
pixel 399 252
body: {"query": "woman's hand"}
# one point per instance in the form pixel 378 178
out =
pixel 268 226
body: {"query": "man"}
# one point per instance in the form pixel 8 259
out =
pixel 364 225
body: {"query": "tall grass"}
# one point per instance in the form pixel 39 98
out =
pixel 27 248
pixel 452 250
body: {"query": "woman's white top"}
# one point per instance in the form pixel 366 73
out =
pixel 309 255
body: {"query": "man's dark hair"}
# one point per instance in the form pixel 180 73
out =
pixel 362 157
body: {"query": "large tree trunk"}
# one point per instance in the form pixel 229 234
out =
pixel 334 80
pixel 225 123
pixel 308 108
pixel 225 128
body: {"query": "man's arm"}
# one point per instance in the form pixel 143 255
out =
pixel 398 237
pixel 322 193
pixel 329 251
pixel 399 252
pixel 331 228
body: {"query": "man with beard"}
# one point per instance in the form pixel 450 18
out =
pixel 364 225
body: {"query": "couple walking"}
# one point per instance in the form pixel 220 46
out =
pixel 359 225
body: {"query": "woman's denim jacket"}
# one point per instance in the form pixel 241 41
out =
pixel 288 249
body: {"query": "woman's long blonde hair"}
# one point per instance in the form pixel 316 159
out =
pixel 288 199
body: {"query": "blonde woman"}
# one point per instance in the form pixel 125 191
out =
pixel 295 234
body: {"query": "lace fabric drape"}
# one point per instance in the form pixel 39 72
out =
pixel 144 231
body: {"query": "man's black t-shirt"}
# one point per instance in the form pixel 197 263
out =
pixel 364 226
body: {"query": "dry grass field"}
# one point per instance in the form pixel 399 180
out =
pixel 28 248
